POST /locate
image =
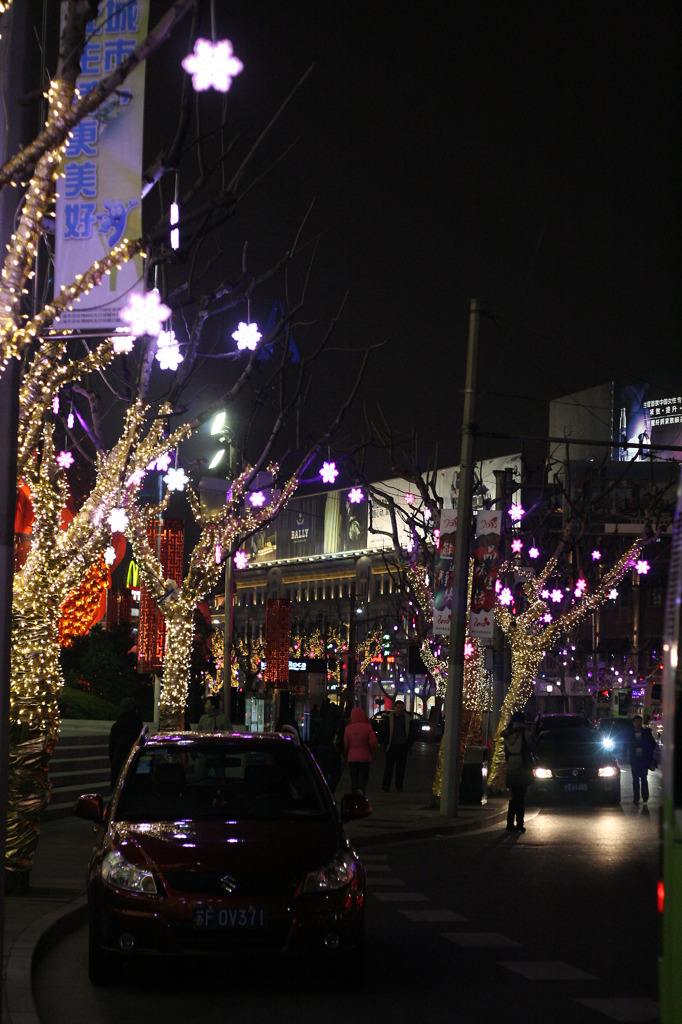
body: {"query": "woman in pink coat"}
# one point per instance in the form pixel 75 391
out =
pixel 359 744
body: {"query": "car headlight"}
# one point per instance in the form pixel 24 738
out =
pixel 607 772
pixel 118 872
pixel 607 743
pixel 542 773
pixel 336 875
pixel 426 728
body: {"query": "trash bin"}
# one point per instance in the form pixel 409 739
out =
pixel 473 786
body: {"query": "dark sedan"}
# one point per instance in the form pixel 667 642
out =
pixel 219 844
pixel 572 763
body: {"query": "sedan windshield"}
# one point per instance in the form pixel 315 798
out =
pixel 220 782
pixel 577 746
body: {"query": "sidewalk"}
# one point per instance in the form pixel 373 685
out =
pixel 56 904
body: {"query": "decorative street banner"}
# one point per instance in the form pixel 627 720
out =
pixel 99 200
pixel 443 574
pixel 277 643
pixel 486 565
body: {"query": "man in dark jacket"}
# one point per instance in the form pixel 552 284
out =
pixel 642 756
pixel 122 736
pixel 396 738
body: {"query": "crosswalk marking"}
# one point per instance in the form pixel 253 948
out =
pixel 488 939
pixel 624 1009
pixel 547 970
pixel 373 882
pixel 434 915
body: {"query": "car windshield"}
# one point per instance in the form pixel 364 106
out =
pixel 581 743
pixel 221 782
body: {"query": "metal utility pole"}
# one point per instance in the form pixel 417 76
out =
pixel 227 641
pixel 449 798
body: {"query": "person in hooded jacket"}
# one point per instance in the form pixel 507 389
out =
pixel 123 734
pixel 519 757
pixel 359 744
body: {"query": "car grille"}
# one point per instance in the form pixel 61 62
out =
pixel 575 774
pixel 263 940
pixel 209 882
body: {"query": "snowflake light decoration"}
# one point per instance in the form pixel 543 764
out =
pixel 596 555
pixel 135 479
pixel 517 545
pixel 544 594
pixel 409 499
pixel 118 520
pixel 218 554
pixel 110 555
pixel 498 586
pixel 579 587
pixel 212 65
pixel 241 560
pixel 556 596
pixel 547 617
pixel 468 649
pixel 613 594
pixel 162 463
pixel 436 536
pixel 176 479
pixel 355 495
pixel 168 351
pixel 55 404
pixel 122 342
pixel 70 420
pixel 64 460
pixel 642 567
pixel 247 336
pixel 257 499
pixel 427 514
pixel 533 552
pixel 516 513
pixel 506 596
pixel 329 472
pixel 145 313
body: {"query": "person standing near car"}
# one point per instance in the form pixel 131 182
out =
pixel 396 737
pixel 519 757
pixel 122 735
pixel 642 757
pixel 359 744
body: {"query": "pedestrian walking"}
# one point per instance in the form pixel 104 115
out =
pixel 214 718
pixel 519 757
pixel 326 741
pixel 122 735
pixel 642 750
pixel 396 736
pixel 359 744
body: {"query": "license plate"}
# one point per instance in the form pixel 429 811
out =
pixel 229 917
pixel 575 787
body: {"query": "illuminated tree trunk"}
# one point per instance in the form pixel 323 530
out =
pixel 176 667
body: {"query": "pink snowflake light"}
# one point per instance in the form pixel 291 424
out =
pixel 642 567
pixel 556 596
pixel 212 65
pixel 247 336
pixel 145 314
pixel 547 617
pixel 355 495
pixel 516 513
pixel 162 463
pixel 257 499
pixel 533 552
pixel 218 554
pixel 506 596
pixel 241 560
pixel 136 478
pixel 64 460
pixel 517 546
pixel 55 404
pixel 436 536
pixel 70 420
pixel 498 586
pixel 427 514
pixel 409 499
pixel 468 649
pixel 596 555
pixel 329 472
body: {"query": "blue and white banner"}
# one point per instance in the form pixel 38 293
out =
pixel 99 200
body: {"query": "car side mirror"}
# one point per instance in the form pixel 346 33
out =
pixel 90 806
pixel 353 806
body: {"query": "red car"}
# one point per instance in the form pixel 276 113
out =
pixel 222 844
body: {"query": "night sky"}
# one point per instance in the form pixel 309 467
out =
pixel 524 154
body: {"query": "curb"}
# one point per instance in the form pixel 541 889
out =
pixel 428 831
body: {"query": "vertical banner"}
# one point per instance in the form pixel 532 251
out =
pixel 486 565
pixel 277 643
pixel 443 573
pixel 167 537
pixel 99 200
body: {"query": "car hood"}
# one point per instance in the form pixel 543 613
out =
pixel 285 847
pixel 572 757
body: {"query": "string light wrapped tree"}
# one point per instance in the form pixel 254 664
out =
pixel 58 561
pixel 220 533
pixel 533 631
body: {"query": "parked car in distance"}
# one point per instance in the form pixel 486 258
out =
pixel 559 720
pixel 223 845
pixel 615 734
pixel 572 763
pixel 423 729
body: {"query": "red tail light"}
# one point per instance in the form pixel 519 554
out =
pixel 660 895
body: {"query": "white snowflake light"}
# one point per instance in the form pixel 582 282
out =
pixel 247 336
pixel 516 513
pixel 118 520
pixel 355 495
pixel 613 594
pixel 135 479
pixel 506 596
pixel 642 567
pixel 70 420
pixel 409 499
pixel 329 472
pixel 64 460
pixel 145 314
pixel 162 463
pixel 257 499
pixel 241 560
pixel 533 552
pixel 122 342
pixel 427 514
pixel 176 479
pixel 212 65
pixel 596 555
pixel 55 404
pixel 110 555
pixel 168 351
pixel 517 545
pixel 556 596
